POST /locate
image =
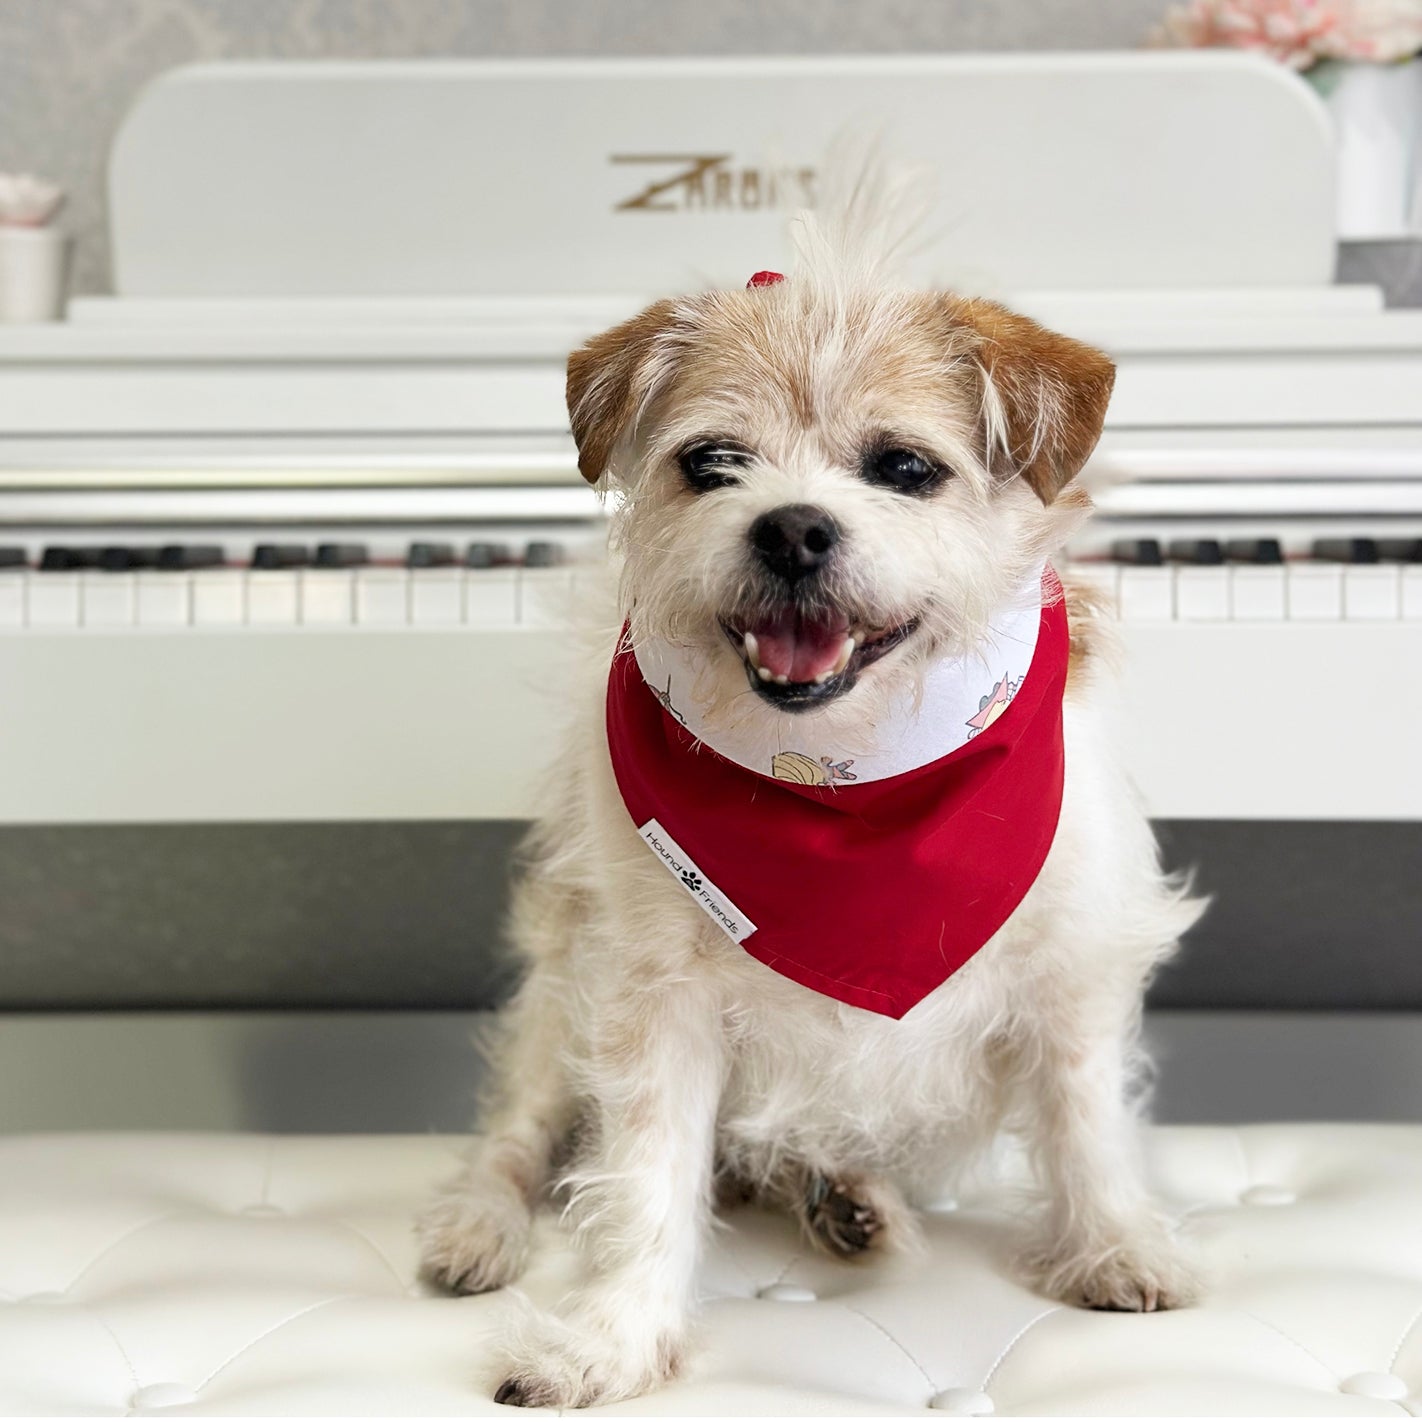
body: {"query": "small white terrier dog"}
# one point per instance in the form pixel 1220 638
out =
pixel 648 1062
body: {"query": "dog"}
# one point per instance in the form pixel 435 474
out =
pixel 829 487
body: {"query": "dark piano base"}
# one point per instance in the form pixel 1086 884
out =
pixel 1305 916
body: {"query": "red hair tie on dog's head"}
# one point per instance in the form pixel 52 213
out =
pixel 765 279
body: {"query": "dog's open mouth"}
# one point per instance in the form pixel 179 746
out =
pixel 796 659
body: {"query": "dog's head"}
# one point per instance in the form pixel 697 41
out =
pixel 823 487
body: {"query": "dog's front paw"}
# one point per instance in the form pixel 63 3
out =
pixel 852 1216
pixel 551 1362
pixel 474 1235
pixel 1141 1271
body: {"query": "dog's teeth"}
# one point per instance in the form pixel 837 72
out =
pixel 752 650
pixel 763 673
pixel 782 680
pixel 845 653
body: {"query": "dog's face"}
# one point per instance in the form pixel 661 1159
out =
pixel 821 492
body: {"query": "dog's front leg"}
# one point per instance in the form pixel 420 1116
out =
pixel 641 1203
pixel 1103 1242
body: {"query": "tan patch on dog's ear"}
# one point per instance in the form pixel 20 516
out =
pixel 609 379
pixel 1052 392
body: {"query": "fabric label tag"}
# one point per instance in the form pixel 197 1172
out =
pixel 709 899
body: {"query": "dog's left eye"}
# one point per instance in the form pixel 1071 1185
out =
pixel 710 465
pixel 902 470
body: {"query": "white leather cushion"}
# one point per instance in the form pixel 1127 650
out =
pixel 223 1275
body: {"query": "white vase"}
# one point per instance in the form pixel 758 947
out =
pixel 1377 115
pixel 34 267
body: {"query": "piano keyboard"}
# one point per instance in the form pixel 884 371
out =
pixel 491 581
pixel 1252 580
pixel 487 581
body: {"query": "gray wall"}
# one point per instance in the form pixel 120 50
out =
pixel 70 68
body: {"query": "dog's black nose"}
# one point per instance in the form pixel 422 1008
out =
pixel 794 540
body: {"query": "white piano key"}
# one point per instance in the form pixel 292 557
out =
pixel 1146 594
pixel 12 599
pixel 1104 577
pixel 327 597
pixel 53 600
pixel 437 597
pixel 382 597
pixel 163 600
pixel 106 599
pixel 1202 594
pixel 218 598
pixel 545 597
pixel 1412 592
pixel 1315 592
pixel 1372 592
pixel 1258 593
pixel 273 599
pixel 491 597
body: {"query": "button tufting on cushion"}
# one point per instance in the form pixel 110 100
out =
pixel 156 1396
pixel 786 1293
pixel 1385 1387
pixel 963 1402
pixel 1268 1195
pixel 139 1277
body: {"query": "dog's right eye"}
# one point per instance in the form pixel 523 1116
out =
pixel 711 465
pixel 902 470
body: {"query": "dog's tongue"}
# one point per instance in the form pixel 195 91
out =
pixel 798 647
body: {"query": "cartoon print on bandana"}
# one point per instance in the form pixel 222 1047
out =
pixel 664 697
pixel 991 706
pixel 801 770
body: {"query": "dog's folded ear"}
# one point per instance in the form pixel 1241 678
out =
pixel 1044 397
pixel 613 376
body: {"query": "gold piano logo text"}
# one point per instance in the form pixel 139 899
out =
pixel 715 182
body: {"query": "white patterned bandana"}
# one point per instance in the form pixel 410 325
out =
pixel 961 696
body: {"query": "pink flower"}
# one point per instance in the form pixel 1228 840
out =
pixel 1381 30
pixel 1299 32
pixel 27 201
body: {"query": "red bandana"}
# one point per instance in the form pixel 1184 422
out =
pixel 872 893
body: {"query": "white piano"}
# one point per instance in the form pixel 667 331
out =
pixel 289 524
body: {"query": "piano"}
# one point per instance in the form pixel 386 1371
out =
pixel 290 524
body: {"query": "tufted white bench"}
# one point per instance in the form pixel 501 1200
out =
pixel 210 1275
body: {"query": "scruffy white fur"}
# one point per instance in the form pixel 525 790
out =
pixel 647 1061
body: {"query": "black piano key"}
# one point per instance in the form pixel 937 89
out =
pixel 13 558
pixel 342 555
pixel 543 554
pixel 117 559
pixel 430 555
pixel 1204 551
pixel 1144 552
pixel 276 556
pixel 61 558
pixel 488 555
pixel 188 557
pixel 1400 550
pixel 1254 550
pixel 1346 550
